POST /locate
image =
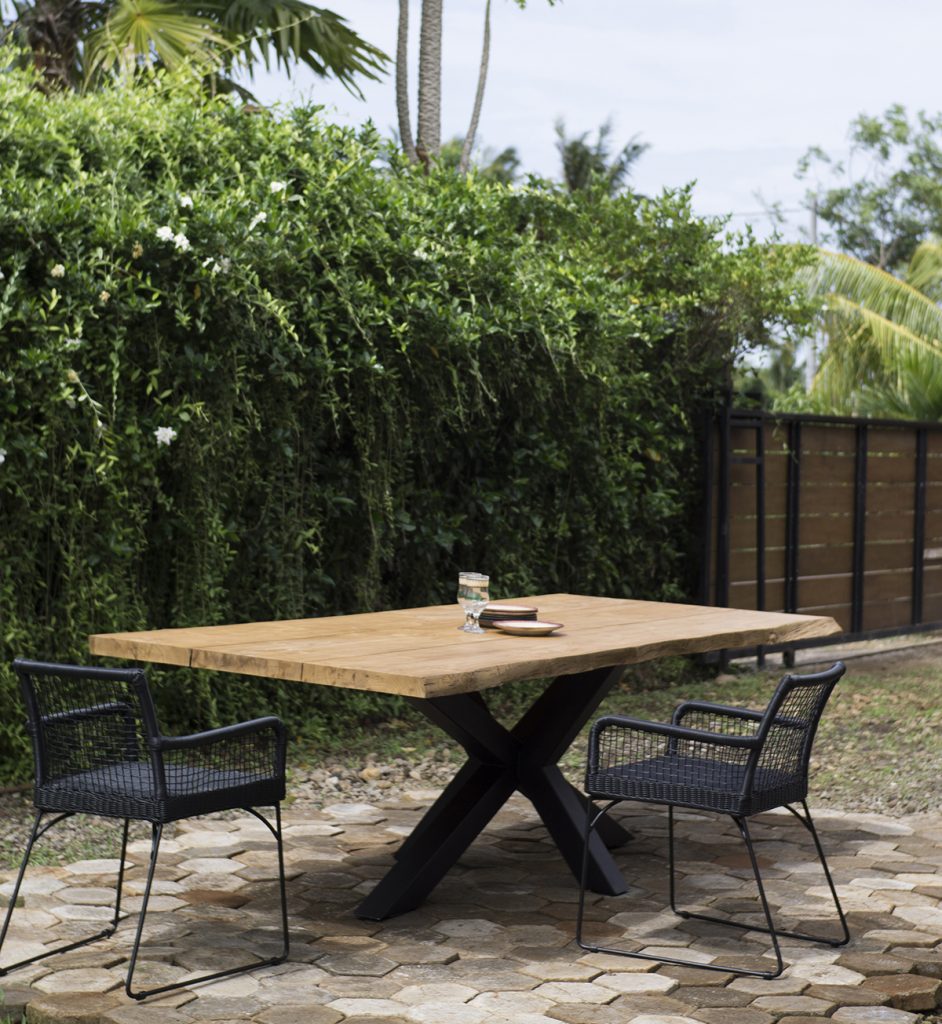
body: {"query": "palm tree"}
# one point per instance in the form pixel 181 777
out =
pixel 428 139
pixel 584 164
pixel 427 144
pixel 74 42
pixel 884 335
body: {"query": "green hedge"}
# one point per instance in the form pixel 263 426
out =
pixel 374 378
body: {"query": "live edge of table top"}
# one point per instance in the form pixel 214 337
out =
pixel 419 652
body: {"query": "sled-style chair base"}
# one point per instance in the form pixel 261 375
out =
pixel 730 760
pixel 98 750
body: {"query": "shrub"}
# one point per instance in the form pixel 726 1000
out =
pixel 254 368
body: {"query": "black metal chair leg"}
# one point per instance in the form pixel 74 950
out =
pixel 780 932
pixel 808 822
pixel 190 982
pixel 724 968
pixel 36 833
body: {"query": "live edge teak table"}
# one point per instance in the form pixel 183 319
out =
pixel 419 654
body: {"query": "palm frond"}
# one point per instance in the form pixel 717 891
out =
pixel 925 268
pixel 150 31
pixel 875 290
pixel 289 31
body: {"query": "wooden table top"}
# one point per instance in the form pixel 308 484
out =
pixel 419 652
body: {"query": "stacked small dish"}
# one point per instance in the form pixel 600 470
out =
pixel 494 613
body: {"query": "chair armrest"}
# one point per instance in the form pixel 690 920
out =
pixel 227 732
pixel 720 710
pixel 670 730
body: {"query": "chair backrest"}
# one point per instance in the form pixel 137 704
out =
pixel 80 719
pixel 790 722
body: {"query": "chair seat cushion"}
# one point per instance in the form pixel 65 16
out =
pixel 695 782
pixel 129 790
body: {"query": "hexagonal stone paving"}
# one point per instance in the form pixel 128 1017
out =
pixel 494 944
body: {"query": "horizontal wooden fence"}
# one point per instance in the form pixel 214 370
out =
pixel 828 516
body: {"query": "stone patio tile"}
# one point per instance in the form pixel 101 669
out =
pixel 727 1015
pixel 573 1013
pixel 367 1007
pixel 358 987
pixel 929 918
pixel 447 1013
pixel 303 1014
pixel 354 814
pixel 421 953
pixel 875 963
pixel 848 995
pixel 483 975
pixel 538 935
pixel 209 866
pixel 223 1008
pixel 415 995
pixel 147 1014
pixel 369 964
pixel 783 986
pixel 561 970
pixel 101 866
pixel 873 1015
pixel 71 1008
pixel 907 991
pixel 825 973
pixel 902 937
pixel 641 984
pixel 793 1006
pixel 662 1018
pixel 614 964
pixel 925 961
pixel 512 1005
pixel 83 979
pixel 575 992
pixel 712 996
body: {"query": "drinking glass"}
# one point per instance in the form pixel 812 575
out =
pixel 473 596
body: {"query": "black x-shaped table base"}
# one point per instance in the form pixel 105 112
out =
pixel 500 761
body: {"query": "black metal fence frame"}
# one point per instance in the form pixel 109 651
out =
pixel 718 458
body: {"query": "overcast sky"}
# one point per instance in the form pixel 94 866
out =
pixel 729 93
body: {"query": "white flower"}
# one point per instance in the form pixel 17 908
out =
pixel 58 271
pixel 181 242
pixel 259 218
pixel 278 186
pixel 3 276
pixel 104 296
pixel 71 342
pixel 224 265
pixel 3 456
pixel 186 202
pixel 165 234
pixel 165 435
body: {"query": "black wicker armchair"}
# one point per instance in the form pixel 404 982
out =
pixel 716 758
pixel 98 750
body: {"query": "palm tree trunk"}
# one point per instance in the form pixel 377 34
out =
pixel 479 95
pixel 402 84
pixel 429 138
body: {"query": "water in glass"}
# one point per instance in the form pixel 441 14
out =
pixel 473 596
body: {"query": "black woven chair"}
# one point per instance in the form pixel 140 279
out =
pixel 714 758
pixel 98 750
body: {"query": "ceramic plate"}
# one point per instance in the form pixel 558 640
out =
pixel 511 611
pixel 527 627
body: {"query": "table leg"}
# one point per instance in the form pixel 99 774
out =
pixel 500 761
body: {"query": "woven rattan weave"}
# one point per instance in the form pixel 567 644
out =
pixel 715 758
pixel 98 749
